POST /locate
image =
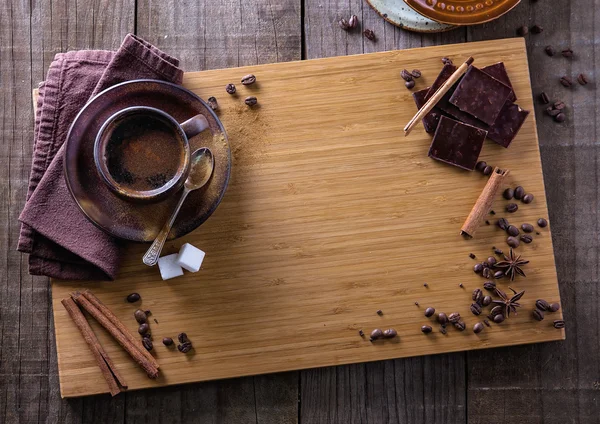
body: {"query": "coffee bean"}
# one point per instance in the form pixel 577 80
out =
pixel 353 22
pixel 509 193
pixel 526 238
pixel 443 330
pixel 251 101
pixel 140 316
pixel 369 34
pixel 143 328
pixel 486 273
pixel 390 333
pixel 499 318
pixel 549 50
pixel 480 166
pixel 491 261
pixel 544 98
pixel 182 337
pixel 475 308
pixel 519 192
pixel 248 79
pixel 542 305
pixel 442 318
pixel 376 334
pixel 477 295
pixel 477 268
pixel 446 61
pixel 406 76
pixel 343 24
pixel 512 231
pixel 415 73
pixel 567 53
pixel 503 223
pixel 361 333
pixel 528 228
pixel 538 315
pixel 478 328
pixel 426 329
pixel 485 264
pixel 552 112
pixel 554 307
pixel 542 223
pixel 537 29
pixel 566 81
pixel 582 79
pixel 454 317
pixel 513 242
pixel 429 312
pixel 486 322
pixel 488 170
pixel 489 285
pixel 498 274
pixel 379 312
pixel 460 325
pixel 486 301
pixel 147 336
pixel 559 323
pixel 528 198
pixel 560 117
pixel 498 251
pixel 472 256
pixel 409 84
pixel 185 347
pixel 133 297
pixel 147 343
pixel 230 88
pixel 522 31
pixel 512 207
pixel 212 102
pixel 559 105
pixel 167 341
pixel 492 212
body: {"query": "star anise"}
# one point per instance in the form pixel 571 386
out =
pixel 511 265
pixel 509 305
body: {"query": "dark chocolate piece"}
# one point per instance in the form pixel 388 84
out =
pixel 445 73
pixel 430 121
pixel 456 143
pixel 449 109
pixel 480 95
pixel 507 124
pixel 498 71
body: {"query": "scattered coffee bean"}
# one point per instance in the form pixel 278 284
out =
pixel 475 308
pixel 477 268
pixel 379 312
pixel 143 328
pixel 489 285
pixel 182 337
pixel 167 341
pixel 566 81
pixel 552 112
pixel 486 273
pixel 536 29
pixel 248 79
pixel 140 316
pixel 477 295
pixel 582 79
pixel 133 297
pixel 538 315
pixel 353 22
pixel 512 207
pixel 406 76
pixel 415 73
pixel 542 305
pixel 230 88
pixel 426 329
pixel 559 323
pixel 390 333
pixel 442 318
pixel 429 312
pixel 443 330
pixel 567 53
pixel 549 50
pixel 485 264
pixel 498 274
pixel 478 328
pixel 460 325
pixel 446 61
pixel 503 223
pixel 513 242
pixel 544 98
pixel 499 318
pixel 486 301
pixel 509 193
pixel 212 102
pixel 251 101
pixel 486 322
pixel 492 212
pixel 560 117
pixel 528 198
pixel 512 230
pixel 409 84
pixel 343 24
pixel 498 251
pixel 488 170
pixel 528 228
pixel 522 31
pixel 472 256
pixel 491 261
pixel 147 336
pixel 369 34
pixel 454 317
pixel 480 166
pixel 519 192
pixel 147 343
pixel 184 347
pixel 526 238
pixel 376 334
pixel 361 333
pixel 554 307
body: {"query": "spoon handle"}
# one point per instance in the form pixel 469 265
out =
pixel 152 255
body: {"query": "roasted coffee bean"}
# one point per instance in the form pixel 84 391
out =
pixel 560 117
pixel 442 318
pixel 554 307
pixel 369 34
pixel 406 76
pixel 472 256
pixel 526 238
pixel 486 273
pixel 148 335
pixel 379 312
pixel 248 79
pixel 486 301
pixel 485 264
pixel 528 198
pixel 528 228
pixel 566 81
pixel 429 312
pixel 454 317
pixel 460 325
pixel 498 251
pixel 486 322
pixel 559 105
pixel 343 24
pixel 513 242
pixel 538 315
pixel 542 305
pixel 475 308
pixel 512 207
pixel 251 101
pixel 519 192
pixel 426 329
pixel 567 53
pixel 480 166
pixel 446 61
pixel 489 285
pixel 522 31
pixel 143 328
pixel 409 84
pixel 376 334
pixel 549 50
pixel 185 347
pixel 167 341
pixel 582 79
pixel 361 333
pixel 544 98
pixel 353 21
pixel 478 328
pixel 498 274
pixel 477 295
pixel 415 73
pixel 552 112
pixel 133 297
pixel 503 223
pixel 477 268
pixel 212 102
pixel 390 333
pixel 488 170
pixel 147 344
pixel 559 323
pixel 230 88
pixel 499 318
pixel 537 29
pixel 491 261
pixel 512 231
pixel 509 193
pixel 496 310
pixel 140 316
pixel 182 337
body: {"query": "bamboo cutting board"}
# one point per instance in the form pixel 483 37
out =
pixel 331 214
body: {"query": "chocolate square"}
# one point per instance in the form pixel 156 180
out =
pixel 507 124
pixel 456 143
pixel 450 110
pixel 498 71
pixel 430 121
pixel 480 95
pixel 443 76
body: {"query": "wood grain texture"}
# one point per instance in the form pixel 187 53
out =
pixel 314 233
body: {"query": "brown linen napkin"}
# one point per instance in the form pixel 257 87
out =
pixel 61 241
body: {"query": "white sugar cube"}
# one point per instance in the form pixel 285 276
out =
pixel 190 257
pixel 168 267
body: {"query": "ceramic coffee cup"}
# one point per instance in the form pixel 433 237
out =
pixel 143 153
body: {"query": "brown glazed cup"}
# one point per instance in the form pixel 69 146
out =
pixel 143 153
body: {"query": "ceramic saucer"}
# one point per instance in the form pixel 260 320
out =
pixel 398 13
pixel 462 12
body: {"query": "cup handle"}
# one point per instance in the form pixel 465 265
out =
pixel 194 126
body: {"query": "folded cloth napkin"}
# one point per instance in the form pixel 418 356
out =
pixel 61 241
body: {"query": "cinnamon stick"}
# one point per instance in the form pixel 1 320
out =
pixel 131 348
pixel 484 203
pixel 109 372
pixel 122 328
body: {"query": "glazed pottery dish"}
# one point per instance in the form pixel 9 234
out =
pixel 462 12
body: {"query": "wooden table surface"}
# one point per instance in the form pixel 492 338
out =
pixel 550 383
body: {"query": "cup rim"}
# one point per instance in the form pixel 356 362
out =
pixel 141 195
